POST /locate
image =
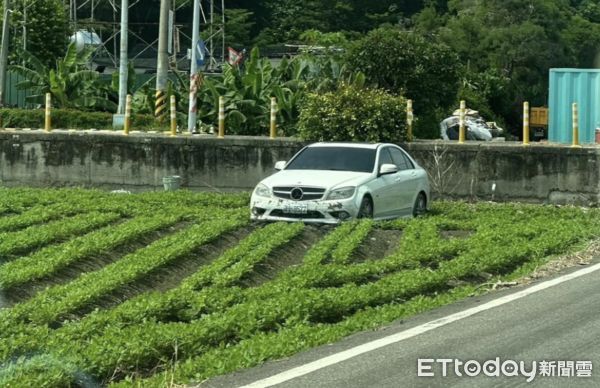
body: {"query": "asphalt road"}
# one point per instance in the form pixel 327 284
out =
pixel 559 323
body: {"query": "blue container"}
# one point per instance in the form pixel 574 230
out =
pixel 567 86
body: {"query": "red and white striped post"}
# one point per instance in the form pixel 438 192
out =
pixel 221 133
pixel 526 123
pixel 273 127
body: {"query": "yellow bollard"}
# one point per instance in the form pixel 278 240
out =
pixel 526 123
pixel 173 116
pixel 273 131
pixel 48 121
pixel 409 120
pixel 127 122
pixel 461 117
pixel 575 126
pixel 221 118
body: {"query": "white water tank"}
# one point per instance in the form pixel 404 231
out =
pixel 83 38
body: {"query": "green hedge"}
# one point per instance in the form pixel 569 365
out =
pixel 354 114
pixel 69 119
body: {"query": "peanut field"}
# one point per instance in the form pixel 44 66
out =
pixel 162 289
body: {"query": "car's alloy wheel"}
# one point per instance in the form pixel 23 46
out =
pixel 420 206
pixel 366 208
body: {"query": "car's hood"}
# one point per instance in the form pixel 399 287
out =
pixel 317 178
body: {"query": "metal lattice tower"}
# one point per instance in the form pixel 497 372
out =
pixel 103 18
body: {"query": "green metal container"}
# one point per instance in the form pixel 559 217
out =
pixel 568 86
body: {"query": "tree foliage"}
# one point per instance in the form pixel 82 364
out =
pixel 508 46
pixel 405 63
pixel 493 53
pixel 353 113
pixel 47 26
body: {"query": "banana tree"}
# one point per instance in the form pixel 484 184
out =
pixel 71 83
pixel 248 90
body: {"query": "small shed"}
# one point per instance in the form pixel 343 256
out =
pixel 568 86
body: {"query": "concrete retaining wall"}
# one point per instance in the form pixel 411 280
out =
pixel 539 173
pixel 138 161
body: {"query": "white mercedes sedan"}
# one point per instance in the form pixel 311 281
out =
pixel 333 182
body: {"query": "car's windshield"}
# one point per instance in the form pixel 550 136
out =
pixel 334 158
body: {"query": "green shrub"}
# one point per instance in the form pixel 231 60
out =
pixel 353 114
pixel 418 68
pixel 68 119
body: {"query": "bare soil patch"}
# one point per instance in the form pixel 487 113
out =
pixel 286 256
pixel 581 258
pixel 378 244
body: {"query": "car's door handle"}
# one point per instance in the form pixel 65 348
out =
pixel 398 179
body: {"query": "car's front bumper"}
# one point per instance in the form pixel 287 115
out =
pixel 318 211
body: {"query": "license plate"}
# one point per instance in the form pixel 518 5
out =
pixel 296 208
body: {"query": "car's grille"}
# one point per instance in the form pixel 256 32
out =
pixel 310 214
pixel 308 193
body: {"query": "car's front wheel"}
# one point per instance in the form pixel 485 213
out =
pixel 420 206
pixel 366 208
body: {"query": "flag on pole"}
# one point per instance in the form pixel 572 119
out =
pixel 234 57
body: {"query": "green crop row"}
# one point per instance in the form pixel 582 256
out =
pixel 53 303
pixel 262 315
pixel 36 236
pixel 239 260
pixel 79 332
pixel 222 272
pixel 36 215
pixel 191 199
pixel 18 199
pixel 270 309
pixel 341 254
pixel 321 251
pixel 420 245
pixel 286 341
pixel 51 259
pixel 316 299
pixel 146 345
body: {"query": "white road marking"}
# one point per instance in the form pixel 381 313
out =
pixel 394 338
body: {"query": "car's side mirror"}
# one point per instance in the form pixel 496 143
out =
pixel 388 169
pixel 280 165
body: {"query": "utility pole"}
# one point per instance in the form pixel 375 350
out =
pixel 24 28
pixel 162 70
pixel 123 57
pixel 210 41
pixel 194 69
pixel 4 50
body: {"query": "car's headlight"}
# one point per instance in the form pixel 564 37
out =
pixel 342 193
pixel 262 190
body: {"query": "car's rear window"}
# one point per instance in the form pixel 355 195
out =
pixel 334 158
